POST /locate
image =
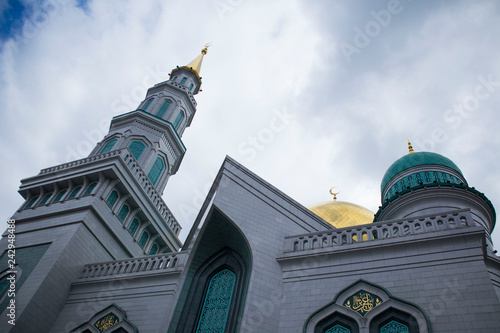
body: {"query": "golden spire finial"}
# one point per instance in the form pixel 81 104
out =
pixel 334 194
pixel 410 147
pixel 195 65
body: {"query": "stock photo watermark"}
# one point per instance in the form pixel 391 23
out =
pixel 126 102
pixel 250 147
pixel 11 263
pixel 454 116
pixel 222 7
pixel 39 19
pixel 371 29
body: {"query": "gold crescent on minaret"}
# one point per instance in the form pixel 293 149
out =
pixel 334 194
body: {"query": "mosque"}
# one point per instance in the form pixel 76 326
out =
pixel 97 249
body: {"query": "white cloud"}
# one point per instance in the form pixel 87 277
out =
pixel 80 68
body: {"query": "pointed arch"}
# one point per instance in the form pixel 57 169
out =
pixel 156 170
pixel 178 119
pixel 148 103
pixel 215 252
pixel 387 309
pixel 137 147
pixel 163 108
pixel 108 146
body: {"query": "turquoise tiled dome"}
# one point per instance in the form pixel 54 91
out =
pixel 416 159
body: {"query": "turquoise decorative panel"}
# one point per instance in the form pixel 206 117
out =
pixel 75 192
pixel 3 285
pixel 108 146
pixel 154 249
pixel 144 239
pixel 394 327
pixel 338 329
pixel 421 178
pixel 156 170
pixel 163 109
pixel 90 189
pixel 215 309
pixel 136 148
pixel 122 214
pixel 191 87
pixel 112 198
pixel 133 226
pixel 178 119
pixel 183 80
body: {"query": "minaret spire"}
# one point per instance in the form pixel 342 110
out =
pixel 195 65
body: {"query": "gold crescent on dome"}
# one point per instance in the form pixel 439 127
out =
pixel 334 194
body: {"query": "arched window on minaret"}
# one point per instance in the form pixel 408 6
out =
pixel 143 239
pixel 32 201
pixel 108 146
pixel 46 198
pixel 137 148
pixel 75 191
pixel 112 197
pixel 163 108
pixel 191 87
pixel 122 214
pixel 154 249
pixel 178 119
pixel 148 103
pixel 183 80
pixel 59 196
pixel 156 170
pixel 133 226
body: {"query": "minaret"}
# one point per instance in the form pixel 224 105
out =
pixel 153 132
pixel 107 206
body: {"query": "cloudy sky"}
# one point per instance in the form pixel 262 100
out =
pixel 306 94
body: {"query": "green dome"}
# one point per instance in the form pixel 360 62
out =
pixel 416 159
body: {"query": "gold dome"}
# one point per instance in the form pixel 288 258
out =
pixel 342 214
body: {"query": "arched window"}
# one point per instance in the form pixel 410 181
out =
pixel 133 226
pixel 32 201
pixel 156 170
pixel 108 146
pixel 163 108
pixel 122 214
pixel 178 119
pixel 215 297
pixel 394 320
pixel 46 198
pixel 59 196
pixel 217 301
pixel 90 189
pixel 183 80
pixel 154 249
pixel 143 239
pixel 148 103
pixel 75 192
pixel 112 198
pixel 191 87
pixel 136 148
pixel 175 78
pixel 394 327
pixel 338 329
